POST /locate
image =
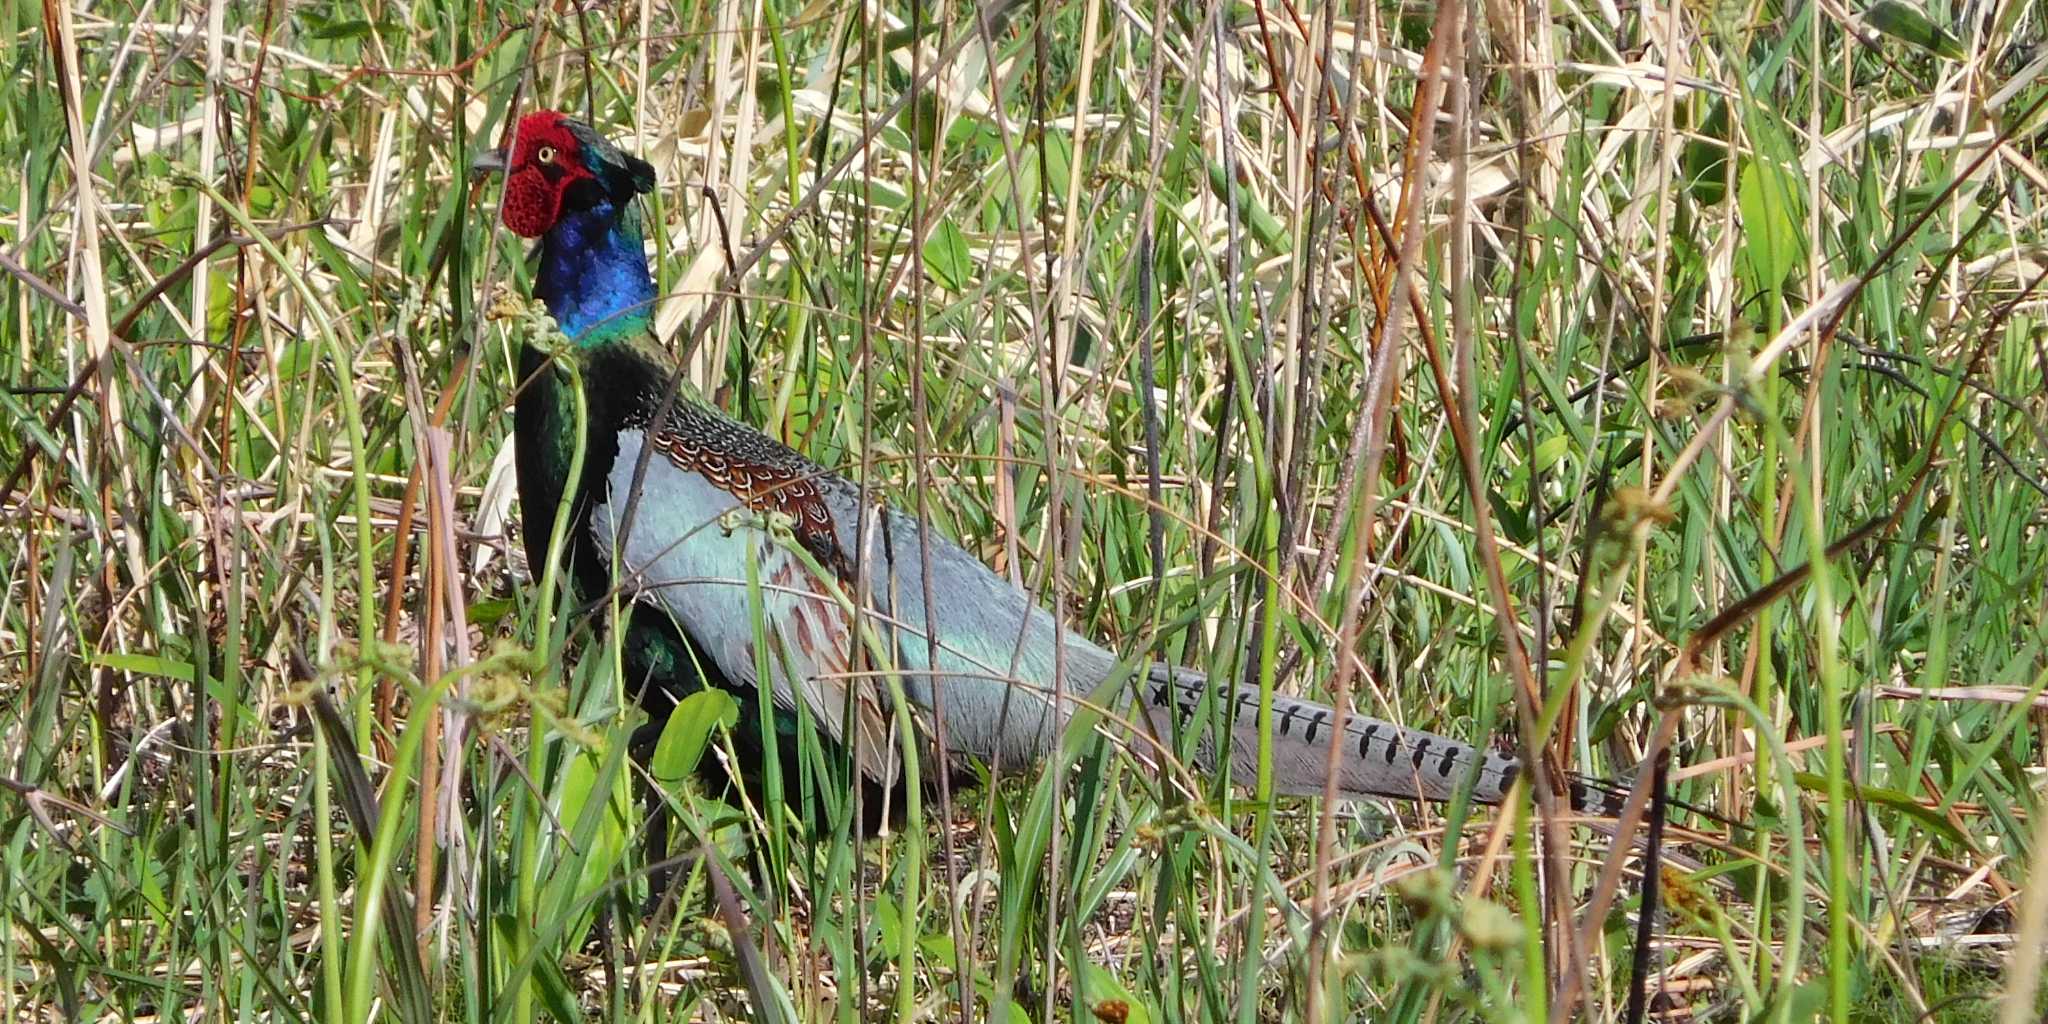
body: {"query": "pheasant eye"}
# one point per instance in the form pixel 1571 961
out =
pixel 546 155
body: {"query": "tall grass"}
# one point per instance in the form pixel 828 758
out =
pixel 1658 385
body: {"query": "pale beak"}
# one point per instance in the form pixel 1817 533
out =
pixel 490 161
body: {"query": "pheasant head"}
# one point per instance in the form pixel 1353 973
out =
pixel 569 187
pixel 557 166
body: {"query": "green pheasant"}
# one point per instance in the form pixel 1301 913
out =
pixel 718 496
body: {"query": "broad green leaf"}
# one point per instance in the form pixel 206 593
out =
pixel 594 801
pixel 947 258
pixel 1267 227
pixel 1908 23
pixel 146 664
pixel 688 730
pixel 888 924
pixel 987 990
pixel 1770 226
pixel 1108 999
pixel 486 614
pixel 544 973
pixel 1892 798
pixel 1551 449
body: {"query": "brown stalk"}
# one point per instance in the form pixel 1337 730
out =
pixel 1445 34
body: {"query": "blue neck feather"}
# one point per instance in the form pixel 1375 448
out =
pixel 593 275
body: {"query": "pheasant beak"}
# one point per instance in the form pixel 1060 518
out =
pixel 490 161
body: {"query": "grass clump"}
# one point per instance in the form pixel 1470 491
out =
pixel 1610 381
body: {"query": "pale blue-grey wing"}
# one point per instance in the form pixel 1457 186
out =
pixel 995 645
pixel 694 533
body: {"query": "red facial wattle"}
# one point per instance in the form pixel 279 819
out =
pixel 543 165
pixel 531 204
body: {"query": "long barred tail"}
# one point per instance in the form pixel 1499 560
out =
pixel 1380 759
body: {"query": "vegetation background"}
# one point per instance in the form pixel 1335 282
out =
pixel 1608 378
